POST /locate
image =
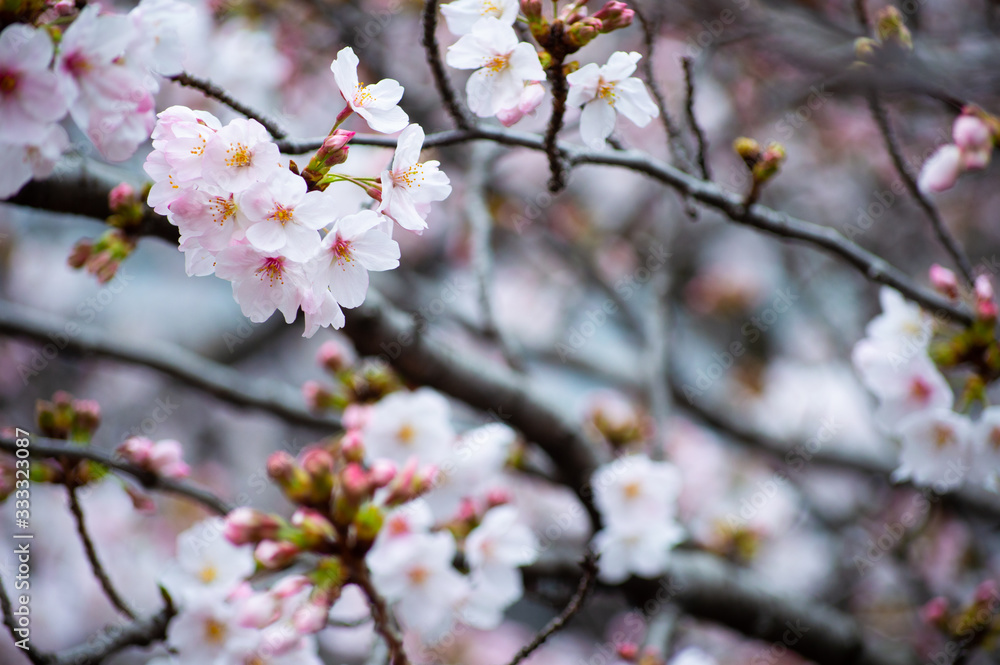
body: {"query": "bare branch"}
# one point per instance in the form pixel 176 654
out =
pixel 380 614
pixel 216 92
pixel 589 565
pixel 42 447
pixel 441 80
pixel 95 562
pixel 223 382
pixel 33 654
pixel 689 110
pixel 649 30
pixel 943 233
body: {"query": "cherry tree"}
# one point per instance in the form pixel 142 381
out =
pixel 516 353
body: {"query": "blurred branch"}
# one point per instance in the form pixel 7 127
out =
pixel 707 587
pixel 944 235
pixel 219 94
pixel 689 110
pixel 223 382
pixel 589 565
pixel 441 80
pixel 42 447
pixel 650 27
pixel 95 562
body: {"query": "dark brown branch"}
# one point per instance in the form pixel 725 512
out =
pixel 42 447
pixel 692 121
pixel 380 615
pixel 589 565
pixel 223 382
pixel 441 81
pixel 215 92
pixel 649 30
pixel 33 654
pixel 95 562
pixel 944 235
pixel 560 90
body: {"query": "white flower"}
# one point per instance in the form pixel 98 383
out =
pixel 901 322
pixel 181 135
pixel 207 561
pixel 904 385
pixel 405 424
pixel 461 15
pixel 934 449
pixel 22 162
pixel 354 246
pixel 692 656
pixel 321 310
pixel 263 282
pixel 283 216
pixel 503 65
pixel 636 490
pixel 238 155
pixel 410 186
pixel 30 99
pixel 472 468
pixel 160 27
pixel 205 632
pixel 377 103
pixel 419 580
pixel 604 90
pixel 642 549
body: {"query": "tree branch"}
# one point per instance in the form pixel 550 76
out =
pixel 218 93
pixel 441 81
pixel 695 127
pixel 95 562
pixel 223 382
pixel 42 447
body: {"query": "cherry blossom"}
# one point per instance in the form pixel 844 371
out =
pixel 934 448
pixel 604 90
pixel 22 162
pixel 503 65
pixel 642 550
pixel 263 281
pixel 206 561
pixel 321 310
pixel 410 186
pixel 531 98
pixel 283 217
pixel 160 27
pixel 407 424
pixel 238 155
pixel 210 214
pixel 376 103
pixel 472 468
pixel 462 15
pixel 30 98
pixel 181 135
pixel 205 632
pixel 353 247
pixel 417 576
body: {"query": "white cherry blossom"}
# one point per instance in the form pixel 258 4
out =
pixel 378 103
pixel 263 281
pixel 238 155
pixel 934 448
pixel 405 424
pixel 30 98
pixel 409 186
pixel 461 15
pixel 353 247
pixel 607 90
pixel 283 216
pixel 207 562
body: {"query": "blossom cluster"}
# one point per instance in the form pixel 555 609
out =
pixel 939 446
pixel 974 134
pixel 100 70
pixel 637 500
pixel 507 81
pixel 283 238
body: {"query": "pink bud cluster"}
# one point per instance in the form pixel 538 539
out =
pixel 164 458
pixel 974 135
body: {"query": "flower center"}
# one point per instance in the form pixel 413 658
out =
pixel 418 575
pixel 273 269
pixel 406 434
pixel 632 490
pixel 920 390
pixel 224 209
pixel 342 249
pixel 76 64
pixel 606 91
pixel 995 438
pixel 410 178
pixel 492 9
pixel 208 574
pixel 498 63
pixel 398 526
pixel 362 95
pixel 239 155
pixel 215 631
pixel 282 214
pixel 8 81
pixel 944 436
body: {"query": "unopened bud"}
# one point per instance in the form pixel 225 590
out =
pixel 355 483
pixel 333 356
pixel 865 49
pixel 582 32
pixel 367 523
pixel 316 529
pixel 246 525
pixel 748 149
pixel 532 9
pixel 381 473
pixel 944 281
pixel 121 197
pixel 614 15
pixel 352 446
pixel 259 610
pixel 890 28
pixel 273 554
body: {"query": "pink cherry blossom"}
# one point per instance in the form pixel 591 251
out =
pixel 22 162
pixel 322 310
pixel 942 169
pixel 462 15
pixel 283 217
pixel 376 103
pixel 531 98
pixel 354 246
pixel 238 155
pixel 262 281
pixel 30 97
pixel 409 186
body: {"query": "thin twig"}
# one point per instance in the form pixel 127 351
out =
pixel 689 110
pixel 34 655
pixel 649 30
pixel 219 94
pixel 42 447
pixel 380 614
pixel 223 382
pixel 589 565
pixel 441 81
pixel 95 562
pixel 944 235
pixel 861 13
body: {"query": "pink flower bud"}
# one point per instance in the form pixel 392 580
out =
pixel 983 288
pixel 246 525
pixel 532 9
pixel 259 610
pixel 273 554
pixel 971 133
pixel 166 459
pixel 628 651
pixel 987 591
pixel 64 7
pixel 281 466
pixel 944 281
pixel 497 496
pixel 942 169
pixel 467 510
pixel 333 356
pixel 311 617
pixel 355 482
pixel 935 611
pixel 614 15
pixel 334 149
pixel 316 528
pixel 137 450
pixel 317 462
pixel 315 395
pixel 374 191
pixel 290 586
pixel 123 194
pixel 531 98
pixel 351 446
pixel 381 473
pixel 356 416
